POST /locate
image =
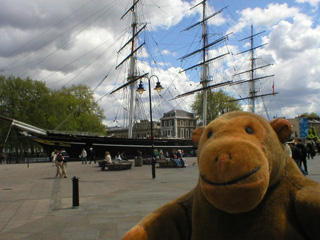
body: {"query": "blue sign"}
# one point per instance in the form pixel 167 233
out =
pixel 304 126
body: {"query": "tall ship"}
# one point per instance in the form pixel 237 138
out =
pixel 252 80
pixel 73 142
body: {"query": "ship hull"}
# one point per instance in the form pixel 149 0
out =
pixel 130 147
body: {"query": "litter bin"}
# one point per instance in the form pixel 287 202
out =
pixel 138 162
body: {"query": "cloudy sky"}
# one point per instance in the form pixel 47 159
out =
pixel 72 42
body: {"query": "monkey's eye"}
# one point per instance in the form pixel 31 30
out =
pixel 249 130
pixel 209 134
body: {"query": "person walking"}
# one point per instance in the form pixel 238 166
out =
pixel 83 156
pixel 58 162
pixel 303 150
pixel 64 162
pixel 92 155
pixel 311 151
pixel 53 157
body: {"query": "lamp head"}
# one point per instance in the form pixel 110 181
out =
pixel 140 88
pixel 158 87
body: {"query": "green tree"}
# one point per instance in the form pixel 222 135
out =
pixel 33 103
pixel 23 100
pixel 79 112
pixel 312 134
pixel 309 115
pixel 217 104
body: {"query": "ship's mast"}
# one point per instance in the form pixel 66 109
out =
pixel 252 83
pixel 253 78
pixel 204 80
pixel 205 61
pixel 132 74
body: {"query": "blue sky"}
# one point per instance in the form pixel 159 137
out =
pixel 76 42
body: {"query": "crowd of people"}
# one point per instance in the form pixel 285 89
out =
pixel 176 156
pixel 60 158
pixel 301 151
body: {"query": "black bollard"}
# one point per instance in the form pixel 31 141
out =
pixel 75 191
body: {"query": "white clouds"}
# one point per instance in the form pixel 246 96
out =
pixel 289 39
pixel 166 52
pixel 313 3
pixel 293 47
pixel 165 13
pixel 264 17
pixel 76 42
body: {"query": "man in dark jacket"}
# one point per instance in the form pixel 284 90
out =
pixel 303 150
pixel 92 155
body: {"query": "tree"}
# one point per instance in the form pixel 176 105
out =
pixel 80 111
pixel 312 134
pixel 32 102
pixel 217 104
pixel 309 115
pixel 23 100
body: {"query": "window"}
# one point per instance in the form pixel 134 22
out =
pixel 187 123
pixel 187 133
pixel 165 123
pixel 181 123
pixel 181 133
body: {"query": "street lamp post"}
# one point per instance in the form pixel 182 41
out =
pixel 140 90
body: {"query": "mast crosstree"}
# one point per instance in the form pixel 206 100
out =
pixel 132 74
pixel 252 71
pixel 205 61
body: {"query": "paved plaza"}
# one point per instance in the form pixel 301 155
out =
pixel 36 205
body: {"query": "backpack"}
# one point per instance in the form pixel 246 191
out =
pixel 60 158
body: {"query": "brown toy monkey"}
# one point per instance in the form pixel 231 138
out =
pixel 248 188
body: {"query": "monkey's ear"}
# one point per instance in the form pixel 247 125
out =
pixel 283 128
pixel 196 134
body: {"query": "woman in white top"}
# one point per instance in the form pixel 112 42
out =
pixel 107 158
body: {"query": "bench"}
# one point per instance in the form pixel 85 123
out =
pixel 116 166
pixel 147 161
pixel 166 163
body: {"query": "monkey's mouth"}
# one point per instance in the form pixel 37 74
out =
pixel 234 181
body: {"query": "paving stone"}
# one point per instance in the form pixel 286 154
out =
pixel 36 205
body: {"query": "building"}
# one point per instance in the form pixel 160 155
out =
pixel 140 130
pixel 177 124
pixel 295 123
pixel 173 124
